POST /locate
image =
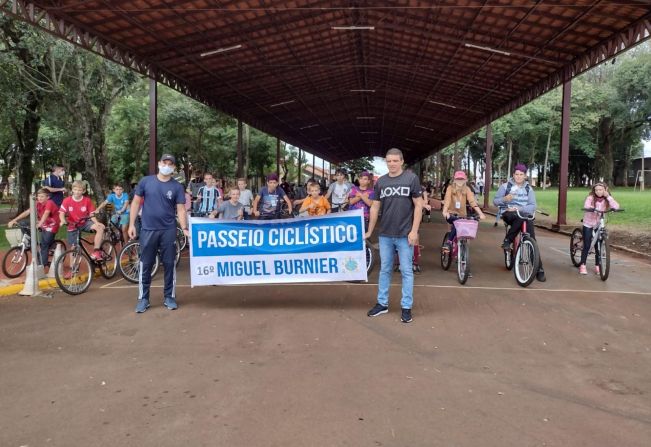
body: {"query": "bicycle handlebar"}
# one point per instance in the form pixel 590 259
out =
pixel 594 210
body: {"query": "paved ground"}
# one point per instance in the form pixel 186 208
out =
pixel 562 363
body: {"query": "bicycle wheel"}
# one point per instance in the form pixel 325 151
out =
pixel 129 262
pixel 74 272
pixel 463 261
pixel 604 261
pixel 446 257
pixel 108 267
pixel 15 262
pixel 181 239
pixel 576 246
pixel 370 259
pixel 526 262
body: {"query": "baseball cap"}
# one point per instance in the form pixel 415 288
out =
pixel 169 157
pixel 460 175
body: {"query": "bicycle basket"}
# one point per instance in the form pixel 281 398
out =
pixel 14 236
pixel 466 228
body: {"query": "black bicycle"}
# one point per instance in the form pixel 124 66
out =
pixel 75 269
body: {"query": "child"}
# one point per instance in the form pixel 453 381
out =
pixel 231 209
pixel 361 197
pixel 454 205
pixel 208 197
pixel 315 204
pixel 601 200
pixel 120 202
pixel 270 196
pixel 47 213
pixel 80 213
pixel 246 197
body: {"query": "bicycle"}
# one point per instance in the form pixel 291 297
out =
pixel 17 257
pixel 599 244
pixel 415 260
pixel 129 259
pixel 466 230
pixel 113 232
pixel 524 254
pixel 75 269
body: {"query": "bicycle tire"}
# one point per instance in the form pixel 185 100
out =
pixel 604 253
pixel 370 259
pixel 15 261
pixel 181 239
pixel 129 262
pixel 446 257
pixel 81 270
pixel 108 267
pixel 463 262
pixel 526 261
pixel 576 246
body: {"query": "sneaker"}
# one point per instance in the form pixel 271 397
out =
pixel 170 303
pixel 142 306
pixel 447 247
pixel 378 309
pixel 540 276
pixel 417 269
pixel 495 224
pixel 506 245
pixel 97 255
pixel 583 270
pixel 67 274
pixel 405 316
pixel 597 270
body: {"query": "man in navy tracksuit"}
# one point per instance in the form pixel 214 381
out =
pixel 164 199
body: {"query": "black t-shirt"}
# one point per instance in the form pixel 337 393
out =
pixel 397 207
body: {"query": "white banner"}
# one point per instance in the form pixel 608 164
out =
pixel 305 249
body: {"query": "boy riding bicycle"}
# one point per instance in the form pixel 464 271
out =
pixel 517 196
pixel 120 202
pixel 78 212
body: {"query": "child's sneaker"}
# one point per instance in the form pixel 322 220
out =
pixel 97 255
pixel 583 270
pixel 597 270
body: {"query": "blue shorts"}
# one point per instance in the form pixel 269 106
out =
pixel 86 228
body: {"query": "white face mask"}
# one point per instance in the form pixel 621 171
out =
pixel 165 170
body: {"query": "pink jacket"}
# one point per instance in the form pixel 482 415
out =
pixel 591 219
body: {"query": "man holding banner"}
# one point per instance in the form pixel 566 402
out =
pixel 399 195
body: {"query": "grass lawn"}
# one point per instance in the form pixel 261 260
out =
pixel 637 205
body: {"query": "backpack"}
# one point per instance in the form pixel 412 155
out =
pixel 509 185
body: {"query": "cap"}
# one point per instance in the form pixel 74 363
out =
pixel 460 175
pixel 272 176
pixel 365 174
pixel 169 157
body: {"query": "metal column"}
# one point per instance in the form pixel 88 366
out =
pixel 564 155
pixel 278 157
pixel 488 170
pixel 153 125
pixel 240 151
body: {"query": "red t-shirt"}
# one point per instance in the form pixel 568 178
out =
pixel 52 222
pixel 76 211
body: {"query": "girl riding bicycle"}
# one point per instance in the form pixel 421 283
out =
pixel 457 196
pixel 600 200
pixel 515 196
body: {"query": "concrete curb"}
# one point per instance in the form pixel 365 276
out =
pixel 13 289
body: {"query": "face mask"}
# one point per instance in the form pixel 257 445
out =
pixel 165 170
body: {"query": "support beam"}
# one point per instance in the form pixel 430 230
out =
pixel 240 151
pixel 314 166
pixel 299 176
pixel 564 155
pixel 153 125
pixel 488 170
pixel 278 158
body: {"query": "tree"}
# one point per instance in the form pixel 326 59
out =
pixel 356 166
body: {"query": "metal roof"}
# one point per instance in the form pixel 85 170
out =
pixel 344 79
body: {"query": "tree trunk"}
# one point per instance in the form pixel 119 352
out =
pixel 509 145
pixel 604 159
pixel 27 138
pixel 549 140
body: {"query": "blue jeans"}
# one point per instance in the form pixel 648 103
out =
pixel 388 246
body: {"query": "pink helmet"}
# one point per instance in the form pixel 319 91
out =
pixel 460 175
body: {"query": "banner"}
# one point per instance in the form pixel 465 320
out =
pixel 304 249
